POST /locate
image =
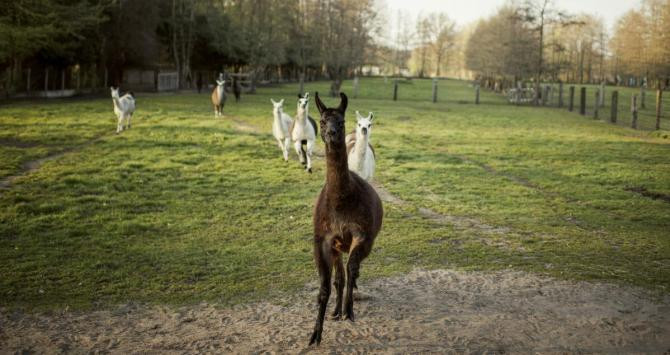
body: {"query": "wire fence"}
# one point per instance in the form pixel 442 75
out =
pixel 596 102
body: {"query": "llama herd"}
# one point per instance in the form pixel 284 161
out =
pixel 348 211
pixel 303 131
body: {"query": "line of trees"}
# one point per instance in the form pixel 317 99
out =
pixel 287 39
pixel 532 40
pixel 334 39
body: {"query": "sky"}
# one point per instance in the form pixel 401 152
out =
pixel 464 12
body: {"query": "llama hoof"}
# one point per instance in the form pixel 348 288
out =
pixel 316 338
pixel 309 170
pixel 336 316
pixel 349 316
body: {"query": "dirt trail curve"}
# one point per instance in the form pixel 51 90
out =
pixel 30 166
pixel 422 312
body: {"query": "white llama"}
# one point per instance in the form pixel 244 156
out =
pixel 280 127
pixel 124 107
pixel 219 97
pixel 361 156
pixel 303 132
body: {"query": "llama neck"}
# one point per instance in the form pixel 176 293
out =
pixel 362 141
pixel 219 92
pixel 337 171
pixel 277 114
pixel 117 102
pixel 302 115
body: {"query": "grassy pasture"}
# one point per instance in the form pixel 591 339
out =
pixel 185 207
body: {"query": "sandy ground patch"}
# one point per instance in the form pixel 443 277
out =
pixel 422 312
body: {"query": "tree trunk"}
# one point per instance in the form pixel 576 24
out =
pixel 175 51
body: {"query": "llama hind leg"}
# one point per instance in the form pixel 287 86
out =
pixel 128 117
pixel 339 287
pixel 325 266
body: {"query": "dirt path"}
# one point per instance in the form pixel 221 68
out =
pixel 436 217
pixel 32 165
pixel 423 311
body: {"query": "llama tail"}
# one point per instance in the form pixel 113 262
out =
pixel 302 149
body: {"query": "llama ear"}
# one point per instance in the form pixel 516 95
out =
pixel 306 96
pixel 299 96
pixel 281 102
pixel 273 101
pixel 358 115
pixel 319 104
pixel 370 116
pixel 343 103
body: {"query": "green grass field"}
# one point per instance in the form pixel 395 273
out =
pixel 185 207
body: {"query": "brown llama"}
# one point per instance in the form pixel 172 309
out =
pixel 347 217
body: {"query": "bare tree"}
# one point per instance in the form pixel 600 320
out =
pixel 538 14
pixel 423 34
pixel 442 31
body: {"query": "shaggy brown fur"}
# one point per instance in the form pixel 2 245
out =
pixel 217 101
pixel 347 218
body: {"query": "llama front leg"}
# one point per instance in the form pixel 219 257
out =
pixel 298 150
pixel 357 253
pixel 119 123
pixel 310 148
pixel 285 148
pixel 339 287
pixel 324 263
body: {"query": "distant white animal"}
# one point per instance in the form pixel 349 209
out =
pixel 280 127
pixel 219 97
pixel 303 132
pixel 124 107
pixel 361 155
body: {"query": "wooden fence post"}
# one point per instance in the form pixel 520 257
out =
pixel 571 99
pixel 62 79
pixel 582 101
pixel 596 104
pixel 602 95
pixel 355 87
pixel 659 93
pixel 545 95
pixel 395 90
pixel 434 90
pixel 105 78
pixel 633 110
pixel 46 79
pixel 560 94
pixel 615 106
pixel 477 95
pixel 642 95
